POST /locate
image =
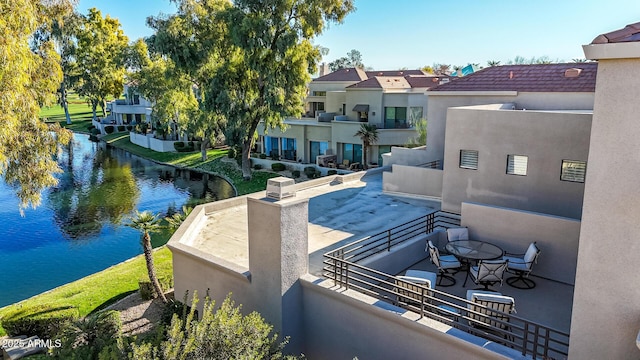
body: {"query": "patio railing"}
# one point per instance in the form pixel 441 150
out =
pixel 388 239
pixel 527 337
pixel 342 266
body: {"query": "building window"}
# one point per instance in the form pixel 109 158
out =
pixel 136 99
pixel 469 159
pixel 319 93
pixel 352 152
pixel 289 149
pixel 317 148
pixel 272 146
pixel 573 170
pixel 395 118
pixel 415 114
pixel 383 149
pixel 517 164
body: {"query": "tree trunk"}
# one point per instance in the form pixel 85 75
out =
pixel 94 105
pixel 246 159
pixel 364 154
pixel 103 104
pixel 203 148
pixel 63 101
pixel 148 257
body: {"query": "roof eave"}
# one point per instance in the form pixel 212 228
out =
pixel 608 51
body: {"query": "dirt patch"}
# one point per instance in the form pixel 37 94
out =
pixel 139 316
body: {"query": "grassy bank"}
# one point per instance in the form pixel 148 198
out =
pixel 100 289
pixel 214 163
pixel 79 111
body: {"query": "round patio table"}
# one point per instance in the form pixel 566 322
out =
pixel 473 250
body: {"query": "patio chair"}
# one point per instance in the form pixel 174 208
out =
pixel 460 233
pixel 413 285
pixel 445 264
pixel 489 272
pixel 520 265
pixel 344 165
pixel 490 311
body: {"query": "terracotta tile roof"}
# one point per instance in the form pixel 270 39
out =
pixel 349 74
pixel 627 34
pixel 382 82
pixel 394 73
pixel 424 81
pixel 572 77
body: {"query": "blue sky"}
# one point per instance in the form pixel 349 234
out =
pixel 392 34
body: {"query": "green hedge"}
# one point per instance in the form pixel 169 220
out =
pixel 95 131
pixel 263 156
pixel 181 147
pixel 332 172
pixel 310 172
pixel 295 174
pixel 278 167
pixel 129 127
pixel 257 167
pixel 109 129
pixel 121 128
pixel 43 321
pixel 147 292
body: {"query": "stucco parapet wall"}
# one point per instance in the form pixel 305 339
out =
pixel 472 93
pixel 449 336
pixel 509 107
pixel 627 50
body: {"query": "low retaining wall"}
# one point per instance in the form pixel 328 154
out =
pixel 413 180
pixel 149 142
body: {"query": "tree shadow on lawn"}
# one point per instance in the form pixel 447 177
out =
pixel 111 301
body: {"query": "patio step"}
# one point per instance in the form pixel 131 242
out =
pixel 21 346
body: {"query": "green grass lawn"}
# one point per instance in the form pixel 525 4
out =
pixel 102 288
pixel 79 111
pixel 213 163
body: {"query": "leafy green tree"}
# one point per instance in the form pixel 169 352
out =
pixel 174 221
pixel 252 59
pixel 29 77
pixel 170 91
pixel 441 69
pixel 369 136
pixel 352 60
pixel 100 55
pixel 421 129
pixel 148 223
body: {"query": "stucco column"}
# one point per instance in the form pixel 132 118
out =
pixel 278 256
pixel 606 306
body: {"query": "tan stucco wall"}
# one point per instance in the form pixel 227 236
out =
pixel 513 230
pixel 346 325
pixel 438 104
pixel 606 307
pixel 545 137
pixel 413 180
pixel 373 98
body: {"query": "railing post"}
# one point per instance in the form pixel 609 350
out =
pixel 389 240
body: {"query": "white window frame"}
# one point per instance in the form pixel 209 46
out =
pixel 577 175
pixel 468 159
pixel 517 164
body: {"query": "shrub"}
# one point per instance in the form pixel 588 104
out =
pixel 179 146
pixel 120 128
pixel 263 156
pixel 310 171
pixel 90 127
pixel 109 129
pixel 41 320
pixel 257 167
pixel 95 131
pixel 278 167
pixel 332 172
pixel 317 174
pixel 129 127
pixel 232 153
pixel 295 174
pixel 275 157
pixel 93 138
pixel 85 338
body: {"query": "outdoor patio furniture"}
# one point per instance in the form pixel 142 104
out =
pixel 490 310
pixel 411 285
pixel 461 233
pixel 344 165
pixel 355 166
pixel 445 264
pixel 520 265
pixel 471 251
pixel 489 272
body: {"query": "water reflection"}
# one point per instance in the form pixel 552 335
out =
pixel 78 228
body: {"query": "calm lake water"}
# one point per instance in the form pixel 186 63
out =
pixel 79 227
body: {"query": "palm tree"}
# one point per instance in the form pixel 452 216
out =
pixel 174 221
pixel 369 136
pixel 147 223
pixel 492 63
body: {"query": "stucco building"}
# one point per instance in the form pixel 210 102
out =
pixel 339 102
pixel 313 265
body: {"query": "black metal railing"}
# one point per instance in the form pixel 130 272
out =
pixel 435 164
pixel 386 240
pixel 524 336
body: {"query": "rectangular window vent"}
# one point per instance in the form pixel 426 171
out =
pixel 573 170
pixel 469 159
pixel 517 164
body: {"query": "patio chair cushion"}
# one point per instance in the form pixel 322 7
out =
pixel 470 293
pixel 530 255
pixel 449 262
pixel 461 233
pixel 516 263
pixel 421 277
